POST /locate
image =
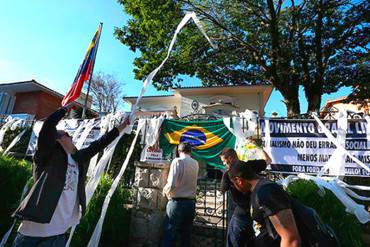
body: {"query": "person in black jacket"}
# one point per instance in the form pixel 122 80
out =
pixel 240 230
pixel 57 198
pixel 271 208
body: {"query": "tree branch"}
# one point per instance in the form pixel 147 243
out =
pixel 255 52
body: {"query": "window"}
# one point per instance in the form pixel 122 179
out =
pixel 6 103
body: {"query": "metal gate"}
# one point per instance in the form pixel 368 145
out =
pixel 210 224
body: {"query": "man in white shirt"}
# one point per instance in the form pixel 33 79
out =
pixel 180 190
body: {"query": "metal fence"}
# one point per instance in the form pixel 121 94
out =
pixel 210 222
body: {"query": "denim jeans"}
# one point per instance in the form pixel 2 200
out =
pixel 52 241
pixel 240 232
pixel 178 222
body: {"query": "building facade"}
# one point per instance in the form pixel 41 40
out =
pixel 30 97
pixel 218 101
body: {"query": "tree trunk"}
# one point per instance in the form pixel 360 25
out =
pixel 281 70
pixel 291 100
pixel 292 105
pixel 293 108
pixel 313 96
pixel 313 90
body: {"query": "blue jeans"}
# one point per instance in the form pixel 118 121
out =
pixel 178 222
pixel 52 241
pixel 240 232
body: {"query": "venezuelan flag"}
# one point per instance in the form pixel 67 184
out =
pixel 86 69
pixel 208 138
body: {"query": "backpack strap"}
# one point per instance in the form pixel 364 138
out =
pixel 265 217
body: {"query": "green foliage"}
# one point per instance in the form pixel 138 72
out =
pixel 21 147
pixel 119 156
pixel 320 45
pixel 13 176
pixel 365 181
pixel 331 211
pixel 161 16
pixel 117 221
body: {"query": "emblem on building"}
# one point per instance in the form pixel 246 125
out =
pixel 195 105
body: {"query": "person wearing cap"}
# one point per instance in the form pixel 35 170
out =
pixel 240 230
pixel 55 201
pixel 271 207
pixel 180 190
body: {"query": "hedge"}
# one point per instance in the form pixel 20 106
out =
pixel 21 147
pixel 117 221
pixel 119 156
pixel 13 176
pixel 331 211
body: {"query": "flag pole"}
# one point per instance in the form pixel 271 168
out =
pixel 90 77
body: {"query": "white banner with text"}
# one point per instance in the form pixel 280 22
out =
pixel 301 146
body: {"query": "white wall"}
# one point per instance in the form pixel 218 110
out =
pixel 249 101
pixel 160 104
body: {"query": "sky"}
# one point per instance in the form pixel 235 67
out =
pixel 47 40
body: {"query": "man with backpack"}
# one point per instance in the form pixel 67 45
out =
pixel 239 231
pixel 278 219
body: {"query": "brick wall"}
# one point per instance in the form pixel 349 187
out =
pixel 40 104
pixel 47 104
pixel 26 103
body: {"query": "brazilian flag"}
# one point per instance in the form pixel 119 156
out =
pixel 208 139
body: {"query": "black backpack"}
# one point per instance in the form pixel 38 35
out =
pixel 313 232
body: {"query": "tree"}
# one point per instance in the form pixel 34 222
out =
pixel 106 92
pixel 313 43
pixel 361 87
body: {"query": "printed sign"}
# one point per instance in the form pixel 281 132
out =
pixel 151 154
pixel 300 146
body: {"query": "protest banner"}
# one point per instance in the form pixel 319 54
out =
pixel 300 146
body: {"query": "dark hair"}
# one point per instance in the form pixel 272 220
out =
pixel 243 170
pixel 229 152
pixel 184 147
